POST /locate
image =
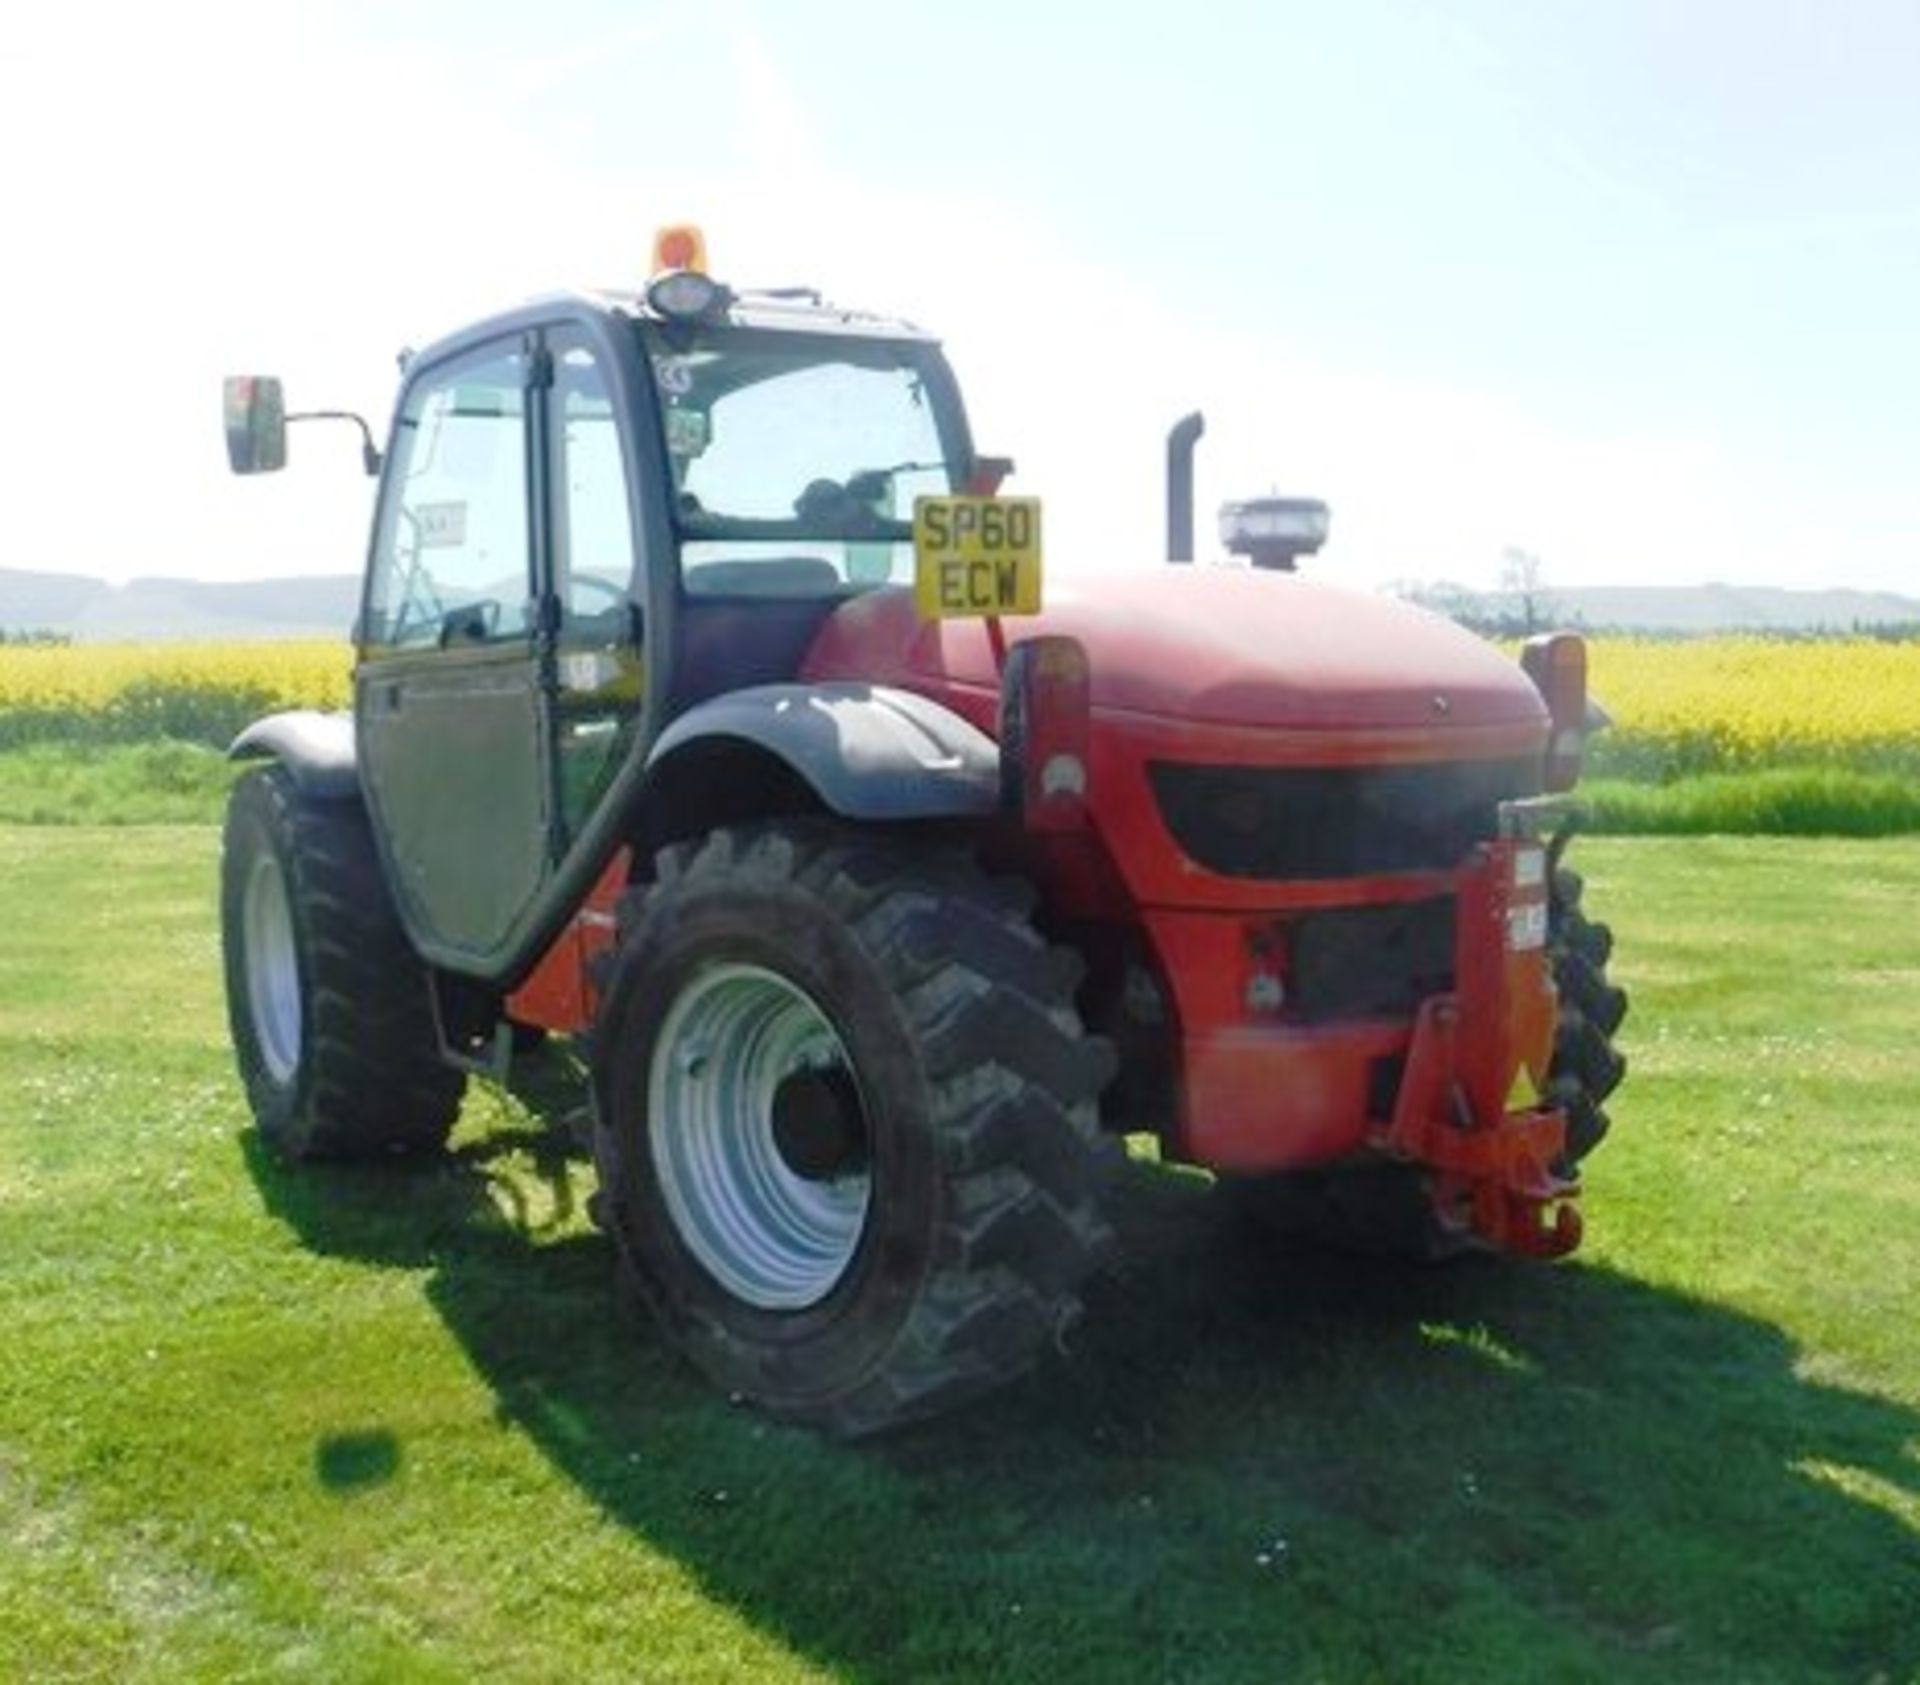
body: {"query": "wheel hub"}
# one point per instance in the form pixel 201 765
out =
pixel 759 1137
pixel 818 1125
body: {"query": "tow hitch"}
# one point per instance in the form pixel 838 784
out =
pixel 1470 1105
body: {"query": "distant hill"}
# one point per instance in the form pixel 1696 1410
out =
pixel 176 610
pixel 1732 608
pixel 172 610
pixel 1672 610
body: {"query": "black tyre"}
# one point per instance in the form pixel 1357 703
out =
pixel 1383 1207
pixel 847 1136
pixel 332 1022
pixel 1587 1067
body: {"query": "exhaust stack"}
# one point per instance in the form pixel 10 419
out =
pixel 1180 442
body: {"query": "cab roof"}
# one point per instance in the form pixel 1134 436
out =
pixel 790 309
pixel 782 310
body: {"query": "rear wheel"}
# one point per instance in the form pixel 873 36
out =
pixel 329 1008
pixel 847 1141
pixel 1383 1207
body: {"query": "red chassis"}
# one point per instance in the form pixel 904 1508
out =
pixel 1258 1090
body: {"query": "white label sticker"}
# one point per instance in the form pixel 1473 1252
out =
pixel 1527 927
pixel 443 526
pixel 580 671
pixel 675 375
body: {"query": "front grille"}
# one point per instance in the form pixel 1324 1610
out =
pixel 1296 823
pixel 1361 962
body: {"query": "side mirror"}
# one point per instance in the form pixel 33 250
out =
pixel 256 412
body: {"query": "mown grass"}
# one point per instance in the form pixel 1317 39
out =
pixel 399 1426
pixel 173 783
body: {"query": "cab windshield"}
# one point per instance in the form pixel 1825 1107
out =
pixel 797 456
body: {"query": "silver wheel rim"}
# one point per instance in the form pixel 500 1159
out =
pixel 772 1237
pixel 273 969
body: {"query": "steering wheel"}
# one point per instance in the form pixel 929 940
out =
pixel 839 510
pixel 593 582
pixel 825 501
pixel 470 623
pixel 620 618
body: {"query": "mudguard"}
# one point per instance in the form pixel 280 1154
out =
pixel 868 751
pixel 317 749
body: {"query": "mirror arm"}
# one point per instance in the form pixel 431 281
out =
pixel 369 451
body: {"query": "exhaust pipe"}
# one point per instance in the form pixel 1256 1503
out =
pixel 1180 442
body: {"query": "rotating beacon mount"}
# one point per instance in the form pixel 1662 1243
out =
pixel 1274 532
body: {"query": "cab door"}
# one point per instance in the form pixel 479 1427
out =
pixel 448 693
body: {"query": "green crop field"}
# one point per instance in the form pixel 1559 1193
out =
pixel 340 1426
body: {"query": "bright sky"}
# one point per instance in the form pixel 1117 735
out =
pixel 1635 287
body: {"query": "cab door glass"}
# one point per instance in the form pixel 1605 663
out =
pixel 601 658
pixel 594 523
pixel 452 562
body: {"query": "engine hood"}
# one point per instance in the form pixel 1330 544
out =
pixel 1213 645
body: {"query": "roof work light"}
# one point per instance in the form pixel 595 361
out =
pixel 681 289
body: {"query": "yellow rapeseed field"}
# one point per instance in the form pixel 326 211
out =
pixel 1734 704
pixel 85 678
pixel 1715 704
pixel 204 692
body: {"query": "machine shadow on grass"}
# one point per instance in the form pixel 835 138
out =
pixel 1251 1459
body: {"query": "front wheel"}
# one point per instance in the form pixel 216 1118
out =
pixel 329 1007
pixel 848 1141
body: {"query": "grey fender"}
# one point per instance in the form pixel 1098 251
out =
pixel 868 751
pixel 317 749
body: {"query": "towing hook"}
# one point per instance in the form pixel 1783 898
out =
pixel 1551 1237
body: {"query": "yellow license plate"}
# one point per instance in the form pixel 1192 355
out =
pixel 975 556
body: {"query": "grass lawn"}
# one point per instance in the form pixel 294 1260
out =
pixel 394 1426
pixel 161 783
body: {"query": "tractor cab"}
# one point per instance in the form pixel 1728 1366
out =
pixel 598 512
